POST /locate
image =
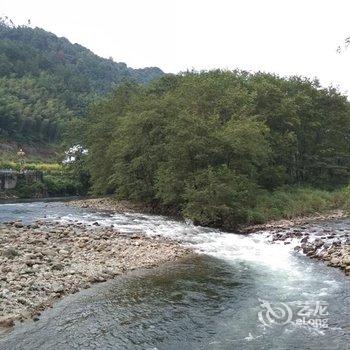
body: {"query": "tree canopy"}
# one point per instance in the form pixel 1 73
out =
pixel 204 144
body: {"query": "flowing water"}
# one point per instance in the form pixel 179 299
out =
pixel 241 292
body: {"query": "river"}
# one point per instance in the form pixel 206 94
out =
pixel 242 292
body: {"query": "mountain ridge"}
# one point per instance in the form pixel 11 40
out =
pixel 47 81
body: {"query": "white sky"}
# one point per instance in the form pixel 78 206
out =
pixel 282 36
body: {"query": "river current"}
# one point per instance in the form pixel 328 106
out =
pixel 241 292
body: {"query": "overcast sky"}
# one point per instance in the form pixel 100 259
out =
pixel 282 36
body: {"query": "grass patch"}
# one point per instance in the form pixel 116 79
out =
pixel 44 167
pixel 291 202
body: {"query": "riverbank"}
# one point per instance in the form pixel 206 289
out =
pixel 45 261
pixel 325 245
pixel 284 224
pixel 112 205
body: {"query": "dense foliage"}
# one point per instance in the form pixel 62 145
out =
pixel 208 145
pixel 46 81
pixel 59 180
pixel 30 112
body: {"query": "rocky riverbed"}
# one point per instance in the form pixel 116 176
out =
pixel 285 224
pixel 331 247
pixel 326 244
pixel 110 204
pixel 41 262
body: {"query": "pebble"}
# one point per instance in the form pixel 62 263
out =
pixel 333 249
pixel 44 261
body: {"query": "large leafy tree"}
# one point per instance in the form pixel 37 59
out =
pixel 205 144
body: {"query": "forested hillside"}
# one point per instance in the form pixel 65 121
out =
pixel 46 81
pixel 210 144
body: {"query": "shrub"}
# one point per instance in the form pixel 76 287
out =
pixel 219 197
pixel 29 190
pixel 61 185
